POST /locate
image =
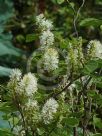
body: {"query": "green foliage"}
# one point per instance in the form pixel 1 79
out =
pixel 7 50
pixel 3 123
pixel 91 22
pixel 6 46
pixel 80 108
pixel 31 37
pixel 71 121
pixel 5 71
pixel 98 134
pixel 97 122
pixel 5 132
pixel 6 11
pixel 60 1
pixel 91 66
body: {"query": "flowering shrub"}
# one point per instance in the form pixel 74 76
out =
pixel 61 98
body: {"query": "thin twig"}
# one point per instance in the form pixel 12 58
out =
pixel 75 19
pixel 76 16
pixel 66 87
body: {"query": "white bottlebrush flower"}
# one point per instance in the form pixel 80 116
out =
pixel 51 59
pixel 72 57
pixel 46 25
pixel 32 104
pixel 47 38
pixel 75 51
pixel 43 23
pixel 39 18
pixel 95 48
pixel 15 75
pixel 18 131
pixel 31 111
pixel 28 84
pixel 15 78
pixel 49 109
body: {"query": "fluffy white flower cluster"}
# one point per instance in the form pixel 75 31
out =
pixel 72 58
pixel 32 104
pixel 43 23
pixel 95 48
pixel 49 109
pixel 51 59
pixel 15 75
pixel 25 89
pixel 46 37
pixel 31 111
pixel 28 84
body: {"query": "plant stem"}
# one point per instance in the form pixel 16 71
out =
pixel 75 131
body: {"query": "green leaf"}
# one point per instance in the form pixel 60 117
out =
pixel 8 50
pixel 13 120
pixel 5 71
pixel 20 38
pixel 91 22
pixel 6 10
pixel 97 122
pixel 41 131
pixel 90 67
pixel 63 44
pixel 98 134
pixel 6 47
pixel 91 93
pixel 73 122
pixel 60 1
pixel 31 37
pixel 5 108
pixel 72 4
pixel 5 132
pixel 3 123
pixel 54 1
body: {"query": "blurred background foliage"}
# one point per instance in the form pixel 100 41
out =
pixel 17 22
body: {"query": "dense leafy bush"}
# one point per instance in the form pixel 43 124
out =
pixel 60 92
